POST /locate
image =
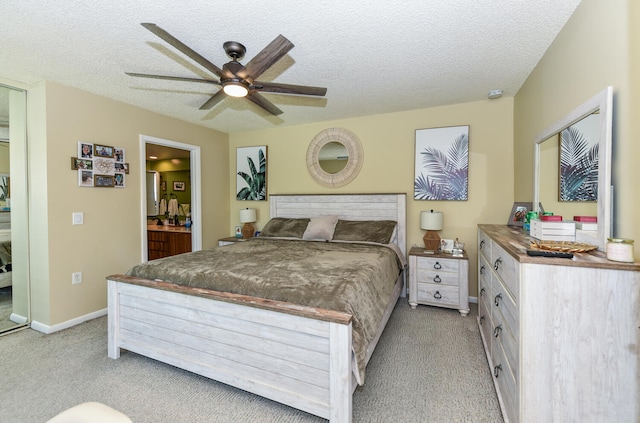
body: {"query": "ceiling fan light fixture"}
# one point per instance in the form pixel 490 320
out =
pixel 235 88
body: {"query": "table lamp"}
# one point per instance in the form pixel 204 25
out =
pixel 432 222
pixel 247 216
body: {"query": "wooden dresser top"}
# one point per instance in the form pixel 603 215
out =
pixel 516 242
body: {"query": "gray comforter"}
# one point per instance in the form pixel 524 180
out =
pixel 354 278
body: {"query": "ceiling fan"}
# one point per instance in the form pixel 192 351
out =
pixel 237 80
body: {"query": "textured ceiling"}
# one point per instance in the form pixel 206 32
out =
pixel 373 56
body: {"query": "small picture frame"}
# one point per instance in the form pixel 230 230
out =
pixel 518 213
pixel 119 180
pixel 77 164
pixel 179 186
pixel 103 181
pixel 103 151
pixel 238 231
pixel 121 167
pixel 446 246
pixel 118 154
pixel 85 178
pixel 85 150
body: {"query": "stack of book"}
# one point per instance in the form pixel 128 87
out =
pixel 586 229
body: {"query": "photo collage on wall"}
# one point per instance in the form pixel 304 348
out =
pixel 100 165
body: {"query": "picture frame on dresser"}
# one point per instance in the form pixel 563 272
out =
pixel 519 213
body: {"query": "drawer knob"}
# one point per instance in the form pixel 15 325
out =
pixel 497 369
pixel 496 265
pixel 497 299
pixel 437 279
pixel 481 319
pixel 481 244
pixel 437 295
pixel 437 265
pixel 482 269
pixel 497 331
pixel 482 292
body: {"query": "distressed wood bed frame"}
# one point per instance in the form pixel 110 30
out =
pixel 296 355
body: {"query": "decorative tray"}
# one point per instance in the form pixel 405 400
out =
pixel 564 246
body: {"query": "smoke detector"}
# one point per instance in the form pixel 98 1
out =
pixel 493 94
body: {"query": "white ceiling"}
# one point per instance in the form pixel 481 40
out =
pixel 373 56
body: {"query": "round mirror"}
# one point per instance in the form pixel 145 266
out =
pixel 334 157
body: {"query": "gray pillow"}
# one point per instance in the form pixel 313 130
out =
pixel 379 231
pixel 285 227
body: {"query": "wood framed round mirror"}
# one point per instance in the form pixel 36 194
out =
pixel 334 157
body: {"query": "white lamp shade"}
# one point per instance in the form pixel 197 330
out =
pixel 248 215
pixel 431 220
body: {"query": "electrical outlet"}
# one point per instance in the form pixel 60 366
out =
pixel 76 277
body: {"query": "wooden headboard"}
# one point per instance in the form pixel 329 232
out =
pixel 347 207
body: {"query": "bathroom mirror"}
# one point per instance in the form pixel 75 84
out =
pixel 596 113
pixel 334 157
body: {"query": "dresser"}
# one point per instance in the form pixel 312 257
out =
pixel 439 279
pixel 562 336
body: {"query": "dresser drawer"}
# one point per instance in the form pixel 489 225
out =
pixel 484 321
pixel 438 278
pixel 484 245
pixel 503 337
pixel 503 303
pixel 505 267
pixel 439 295
pixel 505 382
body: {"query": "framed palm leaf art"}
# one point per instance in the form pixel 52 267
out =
pixel 442 164
pixel 251 173
pixel 579 157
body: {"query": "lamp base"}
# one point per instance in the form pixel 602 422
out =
pixel 431 241
pixel 247 230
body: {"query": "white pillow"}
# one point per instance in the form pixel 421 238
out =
pixel 320 228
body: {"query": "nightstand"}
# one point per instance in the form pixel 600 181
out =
pixel 229 240
pixel 439 279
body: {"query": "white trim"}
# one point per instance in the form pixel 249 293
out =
pixel 196 190
pixel 46 329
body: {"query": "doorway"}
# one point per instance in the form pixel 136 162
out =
pixel 168 150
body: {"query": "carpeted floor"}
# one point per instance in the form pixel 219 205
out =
pixel 429 367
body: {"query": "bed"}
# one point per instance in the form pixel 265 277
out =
pixel 299 353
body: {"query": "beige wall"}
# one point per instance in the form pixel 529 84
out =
pixel 594 50
pixel 388 142
pixel 110 240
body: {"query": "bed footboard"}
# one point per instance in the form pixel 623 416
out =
pixel 285 356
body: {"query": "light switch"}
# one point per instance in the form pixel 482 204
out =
pixel 77 218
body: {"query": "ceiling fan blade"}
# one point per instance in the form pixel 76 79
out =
pixel 272 87
pixel 266 58
pixel 264 103
pixel 215 99
pixel 172 78
pixel 179 45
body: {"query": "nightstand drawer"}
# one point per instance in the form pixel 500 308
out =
pixel 439 295
pixel 437 265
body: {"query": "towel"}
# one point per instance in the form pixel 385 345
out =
pixel 172 208
pixel 163 206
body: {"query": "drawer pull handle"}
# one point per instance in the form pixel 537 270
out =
pixel 497 331
pixel 481 319
pixel 496 265
pixel 437 295
pixel 482 269
pixel 497 369
pixel 497 299
pixel 437 279
pixel 482 292
pixel 437 266
pixel 481 244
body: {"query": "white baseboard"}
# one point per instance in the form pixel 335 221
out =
pixel 41 327
pixel 16 318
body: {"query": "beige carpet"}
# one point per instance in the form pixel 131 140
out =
pixel 429 367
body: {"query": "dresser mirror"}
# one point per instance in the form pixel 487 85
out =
pixel 594 117
pixel 334 157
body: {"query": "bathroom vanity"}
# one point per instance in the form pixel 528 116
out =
pixel 166 240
